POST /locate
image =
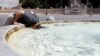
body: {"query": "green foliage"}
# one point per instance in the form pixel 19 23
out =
pixel 20 1
pixel 44 3
pixel 29 4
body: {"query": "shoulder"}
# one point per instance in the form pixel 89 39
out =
pixel 30 15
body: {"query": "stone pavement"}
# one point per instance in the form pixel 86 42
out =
pixel 96 17
pixel 5 49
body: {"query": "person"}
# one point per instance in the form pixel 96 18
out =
pixel 29 19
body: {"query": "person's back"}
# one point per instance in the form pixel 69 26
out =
pixel 26 18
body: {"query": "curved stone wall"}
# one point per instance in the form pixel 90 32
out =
pixel 5 32
pixel 12 31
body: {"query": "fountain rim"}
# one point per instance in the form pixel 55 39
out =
pixel 13 28
pixel 5 49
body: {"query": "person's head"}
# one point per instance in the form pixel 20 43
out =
pixel 36 26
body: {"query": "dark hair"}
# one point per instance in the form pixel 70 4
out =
pixel 30 24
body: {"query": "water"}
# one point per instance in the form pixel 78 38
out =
pixel 58 39
pixel 9 4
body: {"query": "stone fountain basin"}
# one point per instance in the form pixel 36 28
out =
pixel 5 32
pixel 88 50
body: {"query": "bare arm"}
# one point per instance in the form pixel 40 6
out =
pixel 17 17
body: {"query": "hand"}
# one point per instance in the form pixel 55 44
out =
pixel 37 26
pixel 16 23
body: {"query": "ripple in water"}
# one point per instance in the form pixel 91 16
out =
pixel 59 39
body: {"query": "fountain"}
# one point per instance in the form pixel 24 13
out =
pixel 75 8
pixel 58 39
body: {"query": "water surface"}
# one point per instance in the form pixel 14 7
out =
pixel 58 39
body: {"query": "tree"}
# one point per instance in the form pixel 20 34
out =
pixel 58 3
pixel 29 4
pixel 20 1
pixel 94 3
